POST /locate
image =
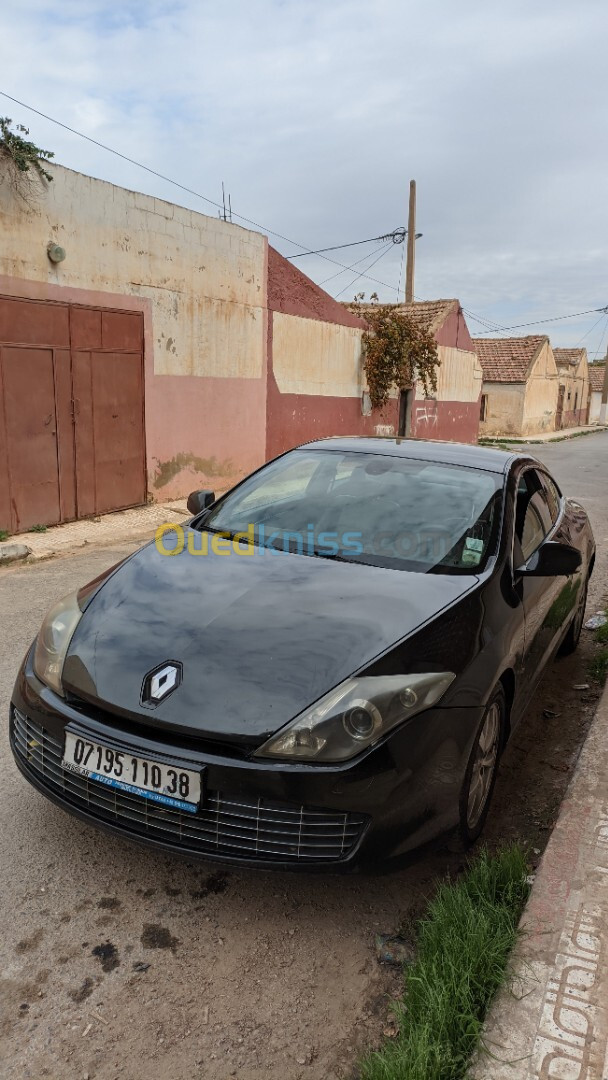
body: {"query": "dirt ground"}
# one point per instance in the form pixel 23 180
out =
pixel 118 962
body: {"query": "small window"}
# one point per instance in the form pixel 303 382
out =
pixel 483 408
pixel 576 401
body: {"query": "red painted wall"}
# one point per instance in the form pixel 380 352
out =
pixel 295 418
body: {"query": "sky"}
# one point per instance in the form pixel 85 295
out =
pixel 317 113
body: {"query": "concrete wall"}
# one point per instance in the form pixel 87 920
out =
pixel 315 371
pixel 316 381
pixel 523 408
pixel 596 404
pixel 576 396
pixel 540 402
pixel 504 408
pixel 453 412
pixel 201 284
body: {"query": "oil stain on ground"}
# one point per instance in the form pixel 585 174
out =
pixel 107 954
pixel 27 944
pixel 157 937
pixel 82 992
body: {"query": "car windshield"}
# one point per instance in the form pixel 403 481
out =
pixel 386 511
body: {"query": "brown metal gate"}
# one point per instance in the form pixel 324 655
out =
pixel 72 439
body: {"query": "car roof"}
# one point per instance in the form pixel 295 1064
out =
pixel 449 453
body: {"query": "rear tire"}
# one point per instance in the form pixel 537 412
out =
pixel 480 775
pixel 573 635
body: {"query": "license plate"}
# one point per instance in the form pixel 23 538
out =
pixel 168 785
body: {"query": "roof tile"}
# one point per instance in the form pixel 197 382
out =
pixel 596 376
pixel 507 359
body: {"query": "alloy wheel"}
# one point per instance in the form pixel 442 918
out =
pixel 484 765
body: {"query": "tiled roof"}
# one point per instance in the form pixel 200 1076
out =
pixel 508 359
pixel 596 376
pixel 428 314
pixel 572 357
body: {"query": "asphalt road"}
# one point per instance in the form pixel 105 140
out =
pixel 120 962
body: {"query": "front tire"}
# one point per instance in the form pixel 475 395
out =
pixel 480 775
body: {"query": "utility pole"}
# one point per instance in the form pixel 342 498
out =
pixel 411 246
pixel 604 391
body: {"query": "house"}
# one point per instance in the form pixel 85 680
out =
pixel 597 374
pixel 573 393
pixel 147 350
pixel 451 412
pixel 520 385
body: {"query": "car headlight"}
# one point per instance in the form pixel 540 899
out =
pixel 355 715
pixel 53 641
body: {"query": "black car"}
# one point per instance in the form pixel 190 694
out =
pixel 322 667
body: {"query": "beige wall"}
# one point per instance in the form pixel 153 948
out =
pixel 317 358
pixel 206 278
pixel 542 388
pixel 504 408
pixel 459 377
pixel 202 286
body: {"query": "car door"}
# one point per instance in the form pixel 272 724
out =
pixel 536 518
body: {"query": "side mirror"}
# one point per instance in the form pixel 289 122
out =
pixel 552 559
pixel 199 500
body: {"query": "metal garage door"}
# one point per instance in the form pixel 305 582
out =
pixel 72 437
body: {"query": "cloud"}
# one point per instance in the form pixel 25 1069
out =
pixel 316 113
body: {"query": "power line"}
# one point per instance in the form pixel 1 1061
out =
pixel 368 255
pixel 182 187
pixel 540 322
pixel 590 331
pixel 363 274
pixel 600 348
pixel 397 236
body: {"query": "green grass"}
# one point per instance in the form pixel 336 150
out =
pixel 601 634
pixel 4 535
pixel 38 528
pixel 598 668
pixel 464 942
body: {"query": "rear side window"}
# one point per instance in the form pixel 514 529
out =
pixel 533 517
pixel 553 496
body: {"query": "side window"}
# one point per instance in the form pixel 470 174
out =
pixel 533 520
pixel 553 496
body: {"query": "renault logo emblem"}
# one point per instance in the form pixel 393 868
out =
pixel 161 682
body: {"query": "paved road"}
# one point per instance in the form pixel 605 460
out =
pixel 119 962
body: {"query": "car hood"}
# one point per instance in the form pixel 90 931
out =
pixel 259 636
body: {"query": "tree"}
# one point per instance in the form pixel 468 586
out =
pixel 397 351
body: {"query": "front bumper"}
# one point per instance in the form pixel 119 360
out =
pixel 388 801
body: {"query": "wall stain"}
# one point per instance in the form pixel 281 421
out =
pixel 167 470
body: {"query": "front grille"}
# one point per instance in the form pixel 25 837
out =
pixel 224 825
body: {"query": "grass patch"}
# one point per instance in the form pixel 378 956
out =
pixel 38 528
pixel 4 535
pixel 598 668
pixel 464 942
pixel 601 634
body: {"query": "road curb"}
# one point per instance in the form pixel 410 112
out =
pixel 551 1021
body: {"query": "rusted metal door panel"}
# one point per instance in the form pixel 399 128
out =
pixel 65 434
pixel 122 331
pixel 85 328
pixel 110 457
pixel 31 436
pixel 72 439
pixel 5 499
pixel 34 322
